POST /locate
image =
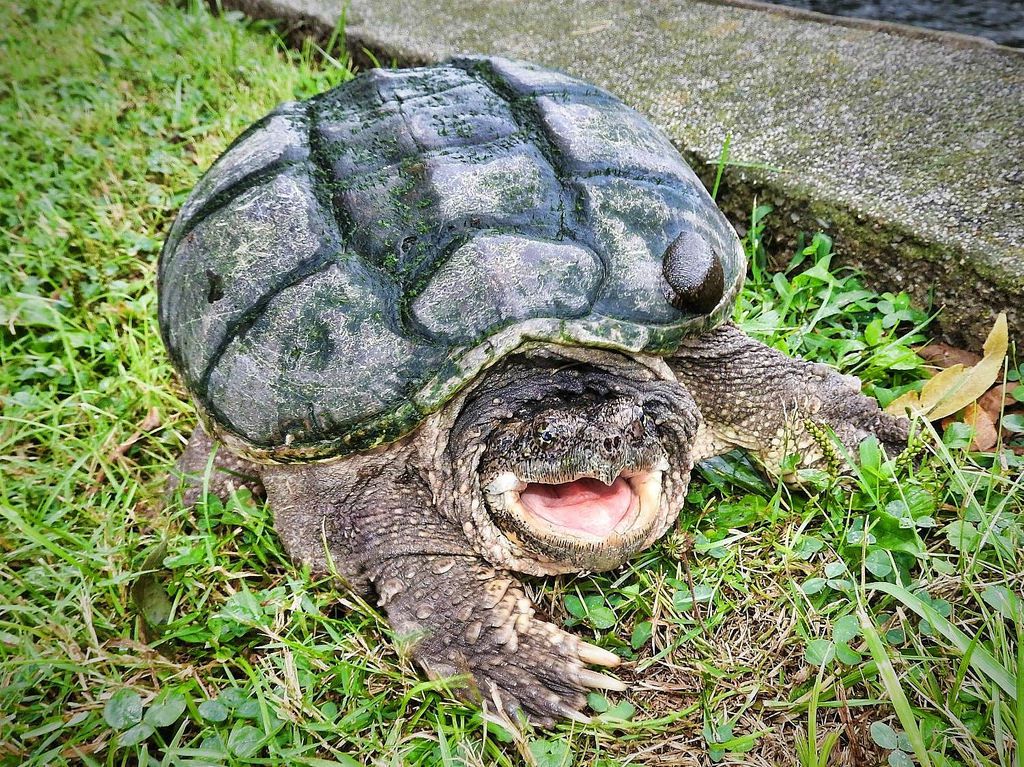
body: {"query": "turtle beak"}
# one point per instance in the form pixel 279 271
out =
pixel 608 473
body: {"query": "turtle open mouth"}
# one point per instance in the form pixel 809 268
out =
pixel 585 507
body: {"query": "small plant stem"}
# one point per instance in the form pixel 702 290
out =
pixel 723 160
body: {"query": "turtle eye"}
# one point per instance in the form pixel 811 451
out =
pixel 545 437
pixel 638 427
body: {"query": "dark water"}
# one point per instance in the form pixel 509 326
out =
pixel 998 20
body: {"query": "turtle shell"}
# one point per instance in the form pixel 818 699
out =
pixel 352 261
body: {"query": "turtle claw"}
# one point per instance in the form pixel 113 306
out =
pixel 598 681
pixel 568 712
pixel 598 656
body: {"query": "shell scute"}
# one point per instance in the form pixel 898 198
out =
pixel 278 138
pixel 497 280
pixel 523 78
pixel 303 367
pixel 233 258
pixel 360 145
pixel 633 224
pixel 467 115
pixel 596 135
pixel 510 186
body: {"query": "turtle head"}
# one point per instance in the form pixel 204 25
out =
pixel 579 468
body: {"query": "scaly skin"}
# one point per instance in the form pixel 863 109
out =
pixel 410 524
pixel 756 398
pixel 229 472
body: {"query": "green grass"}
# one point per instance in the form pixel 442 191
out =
pixel 755 616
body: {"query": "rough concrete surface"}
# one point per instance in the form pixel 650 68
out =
pixel 905 146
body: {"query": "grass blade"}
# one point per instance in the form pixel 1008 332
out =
pixel 980 659
pixel 1019 711
pixel 892 685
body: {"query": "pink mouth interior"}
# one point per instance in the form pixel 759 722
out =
pixel 587 505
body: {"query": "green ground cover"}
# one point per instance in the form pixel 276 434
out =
pixel 753 634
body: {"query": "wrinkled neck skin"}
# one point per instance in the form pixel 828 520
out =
pixel 557 461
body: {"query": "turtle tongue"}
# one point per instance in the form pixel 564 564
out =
pixel 587 505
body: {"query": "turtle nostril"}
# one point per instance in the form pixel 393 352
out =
pixel 611 444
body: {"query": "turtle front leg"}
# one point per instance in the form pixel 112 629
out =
pixel 371 520
pixel 463 618
pixel 754 397
pixel 227 472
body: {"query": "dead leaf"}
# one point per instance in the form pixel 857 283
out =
pixel 985 434
pixel 150 422
pixel 995 400
pixel 80 749
pixel 956 387
pixel 944 355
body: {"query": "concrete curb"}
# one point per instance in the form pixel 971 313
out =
pixel 871 25
pixel 905 146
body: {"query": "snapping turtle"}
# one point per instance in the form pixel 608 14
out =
pixel 468 320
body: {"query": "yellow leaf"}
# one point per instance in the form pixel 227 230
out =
pixel 956 387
